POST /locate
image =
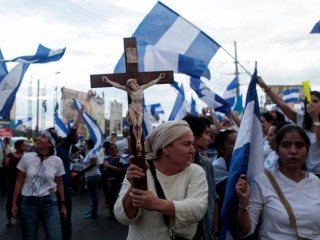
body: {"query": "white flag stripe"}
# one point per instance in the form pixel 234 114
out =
pixel 160 59
pixel 175 41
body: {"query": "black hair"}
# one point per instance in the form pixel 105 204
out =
pixel 279 117
pixel 198 124
pixel 307 120
pixel 55 136
pixel 90 144
pixel 267 116
pixel 18 143
pixel 221 138
pixel 279 125
pixel 292 128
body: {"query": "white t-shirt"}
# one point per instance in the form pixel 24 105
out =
pixel 303 197
pixel 220 170
pixel 40 175
pixel 95 170
pixel 189 192
pixel 271 161
pixel 313 161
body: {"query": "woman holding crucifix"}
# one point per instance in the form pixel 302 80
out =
pixel 135 111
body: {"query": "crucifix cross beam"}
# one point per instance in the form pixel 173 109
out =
pixel 133 82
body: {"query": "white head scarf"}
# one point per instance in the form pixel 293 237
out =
pixel 163 135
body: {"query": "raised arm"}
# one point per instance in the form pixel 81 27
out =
pixel 215 120
pixel 162 75
pixel 291 114
pixel 114 84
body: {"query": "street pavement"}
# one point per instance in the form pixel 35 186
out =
pixel 83 229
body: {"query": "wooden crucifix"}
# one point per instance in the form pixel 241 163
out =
pixel 133 82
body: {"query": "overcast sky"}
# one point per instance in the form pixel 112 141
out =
pixel 275 33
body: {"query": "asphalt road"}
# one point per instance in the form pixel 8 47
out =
pixel 83 229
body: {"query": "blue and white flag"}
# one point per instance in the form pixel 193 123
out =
pixel 167 41
pixel 3 68
pixel 70 124
pixel 59 126
pixel 155 110
pixel 231 92
pixel 316 28
pixel 22 121
pixel 247 157
pixel 147 127
pixel 43 55
pixel 193 109
pixel 9 86
pixel 238 106
pixel 291 95
pixel 180 107
pixel 209 97
pixel 94 129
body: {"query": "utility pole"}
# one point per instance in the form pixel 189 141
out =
pixel 237 70
pixel 38 101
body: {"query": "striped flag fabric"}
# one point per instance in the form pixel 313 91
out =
pixel 22 121
pixel 247 157
pixel 180 107
pixel 43 55
pixel 9 87
pixel 291 95
pixel 230 93
pixel 209 97
pixel 147 127
pixel 193 109
pixel 155 109
pixel 238 106
pixel 92 126
pixel 59 126
pixel 167 41
pixel 316 28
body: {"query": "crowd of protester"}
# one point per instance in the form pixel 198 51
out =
pixel 188 164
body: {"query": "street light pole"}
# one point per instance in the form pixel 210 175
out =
pixel 38 90
pixel 38 93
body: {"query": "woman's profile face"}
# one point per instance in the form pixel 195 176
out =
pixel 315 102
pixel 292 151
pixel 228 145
pixel 181 151
pixel 43 142
pixel 272 137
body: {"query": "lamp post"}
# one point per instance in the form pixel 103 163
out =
pixel 38 102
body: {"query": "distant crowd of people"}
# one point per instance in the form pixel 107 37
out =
pixel 188 164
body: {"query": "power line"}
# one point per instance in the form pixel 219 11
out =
pixel 81 10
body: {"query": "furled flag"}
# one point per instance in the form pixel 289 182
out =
pixel 316 28
pixel 43 55
pixel 231 92
pixel 247 157
pixel 180 107
pixel 155 110
pixel 92 126
pixel 209 97
pixel 9 86
pixel 167 41
pixel 59 126
pixel 10 81
pixel 147 127
pixel 291 95
pixel 3 68
pixel 22 121
pixel 193 109
pixel 238 106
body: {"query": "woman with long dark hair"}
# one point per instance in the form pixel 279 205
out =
pixel 309 120
pixel 40 184
pixel 11 161
pixel 286 198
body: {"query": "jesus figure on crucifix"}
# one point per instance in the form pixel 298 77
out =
pixel 135 111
